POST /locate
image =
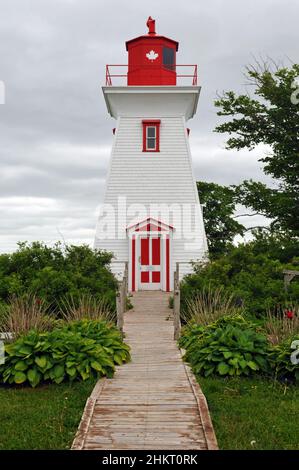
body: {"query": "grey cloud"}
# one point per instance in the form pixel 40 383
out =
pixel 55 134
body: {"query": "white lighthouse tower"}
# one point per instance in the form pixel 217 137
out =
pixel 151 216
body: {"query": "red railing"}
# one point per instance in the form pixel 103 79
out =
pixel 192 75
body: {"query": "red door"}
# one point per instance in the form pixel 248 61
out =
pixel 150 262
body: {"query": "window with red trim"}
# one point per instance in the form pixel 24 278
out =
pixel 151 135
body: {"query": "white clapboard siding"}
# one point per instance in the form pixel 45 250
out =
pixel 153 178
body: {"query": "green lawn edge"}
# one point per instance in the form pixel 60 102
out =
pixel 44 418
pixel 253 413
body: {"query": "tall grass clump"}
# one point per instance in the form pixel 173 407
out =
pixel 86 307
pixel 209 305
pixel 25 313
pixel 282 324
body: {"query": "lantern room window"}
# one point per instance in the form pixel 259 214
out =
pixel 168 58
pixel 151 135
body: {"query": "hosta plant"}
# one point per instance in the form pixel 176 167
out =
pixel 284 358
pixel 194 332
pixel 105 334
pixel 230 346
pixel 63 354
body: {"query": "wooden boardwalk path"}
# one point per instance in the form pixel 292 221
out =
pixel 154 401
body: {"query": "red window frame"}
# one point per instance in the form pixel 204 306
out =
pixel 151 123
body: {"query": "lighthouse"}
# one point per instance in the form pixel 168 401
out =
pixel 151 217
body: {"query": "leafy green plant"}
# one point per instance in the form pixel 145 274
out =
pixel 229 346
pixel 105 334
pixel 280 358
pixel 76 351
pixel 53 272
pixel 251 272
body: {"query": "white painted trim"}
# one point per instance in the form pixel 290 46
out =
pixel 109 166
pixel 151 285
pixel 154 149
pixel 130 100
pixel 130 271
pixel 152 88
pixel 152 234
pixel 195 186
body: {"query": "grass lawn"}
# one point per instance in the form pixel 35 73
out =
pixel 253 413
pixel 43 418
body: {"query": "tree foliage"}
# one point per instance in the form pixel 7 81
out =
pixel 252 272
pixel 270 118
pixel 51 273
pixel 219 205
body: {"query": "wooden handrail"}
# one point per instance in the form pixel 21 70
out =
pixel 121 299
pixel 176 304
pixel 289 275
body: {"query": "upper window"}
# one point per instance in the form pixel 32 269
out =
pixel 151 136
pixel 168 58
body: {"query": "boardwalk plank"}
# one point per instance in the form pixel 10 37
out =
pixel 152 402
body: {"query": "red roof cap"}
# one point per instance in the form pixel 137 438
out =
pixel 151 35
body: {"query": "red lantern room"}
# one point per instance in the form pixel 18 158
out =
pixel 152 58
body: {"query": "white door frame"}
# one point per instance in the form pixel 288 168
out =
pixel 151 268
pixel 134 260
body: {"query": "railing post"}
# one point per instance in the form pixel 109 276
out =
pixel 121 299
pixel 126 277
pixel 176 304
pixel 119 307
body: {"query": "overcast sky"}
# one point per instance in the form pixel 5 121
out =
pixel 55 133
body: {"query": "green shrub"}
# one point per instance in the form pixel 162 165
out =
pixel 52 273
pixel 229 346
pixel 280 358
pixel 75 351
pixel 251 272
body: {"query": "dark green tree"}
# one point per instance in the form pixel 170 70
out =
pixel 271 117
pixel 53 272
pixel 219 205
